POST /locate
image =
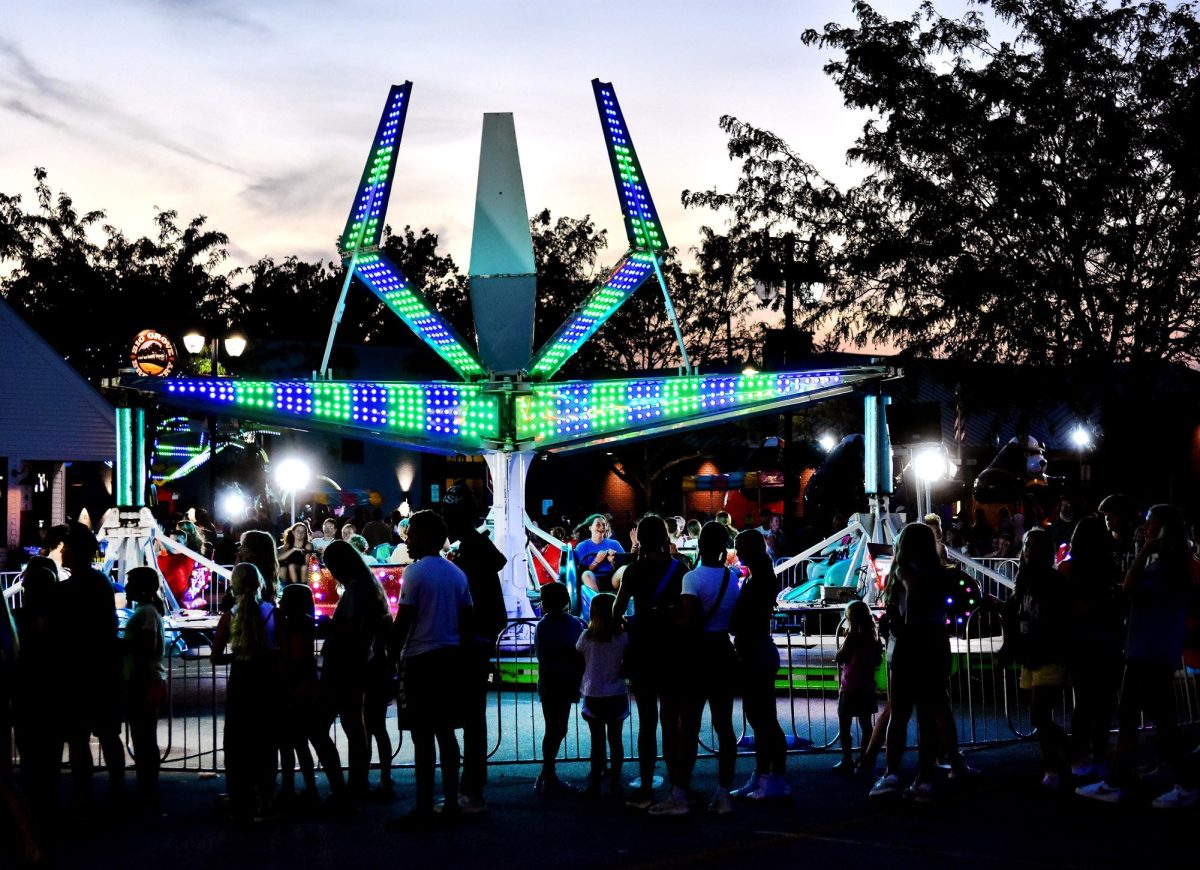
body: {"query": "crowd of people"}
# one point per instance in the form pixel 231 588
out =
pixel 1101 606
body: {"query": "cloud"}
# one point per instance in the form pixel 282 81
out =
pixel 18 107
pixel 27 79
pixel 207 10
pixel 304 189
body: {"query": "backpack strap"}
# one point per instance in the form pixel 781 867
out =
pixel 672 567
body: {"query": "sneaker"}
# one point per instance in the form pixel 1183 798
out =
pixel 616 791
pixel 721 804
pixel 640 799
pixel 1084 766
pixel 592 792
pixel 1178 798
pixel 1052 780
pixel 887 784
pixel 922 792
pixel 676 804
pixel 846 765
pixel 1100 791
pixel 469 805
pixel 962 770
pixel 775 787
pixel 754 783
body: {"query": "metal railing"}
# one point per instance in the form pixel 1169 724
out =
pixel 986 702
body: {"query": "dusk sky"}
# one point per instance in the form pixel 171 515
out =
pixel 260 114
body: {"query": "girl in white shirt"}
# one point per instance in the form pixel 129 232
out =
pixel 605 697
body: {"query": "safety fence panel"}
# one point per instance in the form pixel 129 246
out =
pixel 987 706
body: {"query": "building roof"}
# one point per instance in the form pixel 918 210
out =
pixel 48 411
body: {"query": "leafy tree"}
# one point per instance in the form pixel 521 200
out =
pixel 1040 192
pixel 784 220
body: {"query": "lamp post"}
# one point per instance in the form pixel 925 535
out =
pixel 929 464
pixel 235 345
pixel 1081 438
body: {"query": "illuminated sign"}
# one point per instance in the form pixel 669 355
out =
pixel 153 354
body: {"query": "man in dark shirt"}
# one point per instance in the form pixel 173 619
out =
pixel 479 559
pixel 93 682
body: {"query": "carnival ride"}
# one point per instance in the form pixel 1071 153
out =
pixel 505 405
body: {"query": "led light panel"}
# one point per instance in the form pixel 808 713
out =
pixel 454 415
pixel 364 228
pixel 580 410
pixel 389 284
pixel 641 218
pixel 597 307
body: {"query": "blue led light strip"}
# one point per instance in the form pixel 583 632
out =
pixel 364 227
pixel 579 411
pixel 453 415
pixel 397 293
pixel 599 305
pixel 641 218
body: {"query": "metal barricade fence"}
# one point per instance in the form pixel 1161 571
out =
pixel 987 705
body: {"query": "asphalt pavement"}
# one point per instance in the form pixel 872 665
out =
pixel 1000 817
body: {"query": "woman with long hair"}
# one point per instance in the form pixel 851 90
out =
pixel 1157 586
pixel 918 656
pixel 653 582
pixel 347 654
pixel 293 555
pixel 258 548
pixel 1094 642
pixel 1041 629
pixel 759 659
pixel 250 708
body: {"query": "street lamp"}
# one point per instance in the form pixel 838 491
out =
pixel 1081 437
pixel 235 345
pixel 827 441
pixel 292 474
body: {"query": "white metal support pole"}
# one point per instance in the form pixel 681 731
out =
pixel 337 315
pixel 509 472
pixel 662 282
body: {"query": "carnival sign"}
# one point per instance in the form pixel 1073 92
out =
pixel 153 354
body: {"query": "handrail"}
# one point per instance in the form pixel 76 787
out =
pixel 852 528
pixel 964 559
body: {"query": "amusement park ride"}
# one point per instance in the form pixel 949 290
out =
pixel 505 404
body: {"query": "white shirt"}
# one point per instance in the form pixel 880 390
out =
pixel 704 582
pixel 602 666
pixel 438 590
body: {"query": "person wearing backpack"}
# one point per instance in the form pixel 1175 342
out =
pixel 653 582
